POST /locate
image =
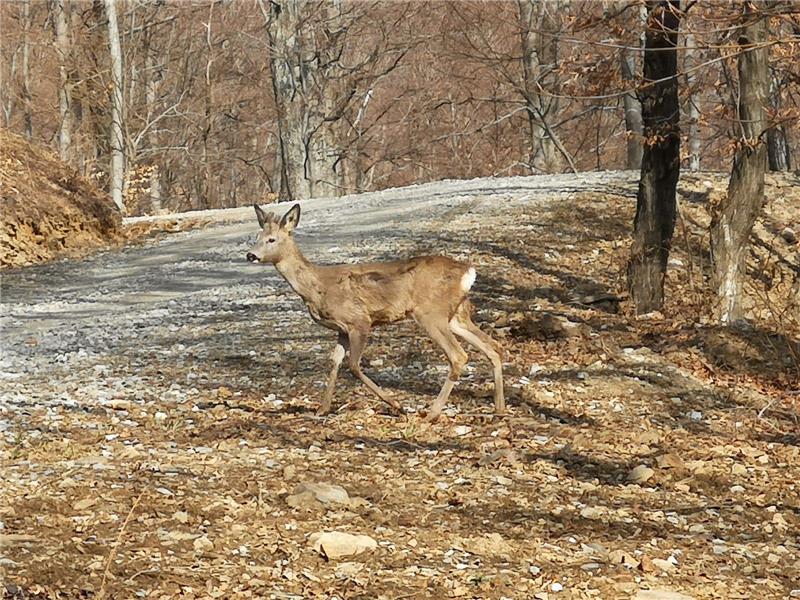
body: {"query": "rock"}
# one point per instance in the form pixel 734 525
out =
pixel 649 437
pixel 592 513
pixel 85 503
pixel 664 565
pixel 336 544
pixel 203 544
pixel 640 474
pixel 789 236
pixel 660 594
pixel 738 469
pixel 307 494
pixel 670 461
pixel 181 516
pixel 462 429
pixel 502 480
pixel 620 557
pixel 491 544
pixel 349 569
pixel 503 455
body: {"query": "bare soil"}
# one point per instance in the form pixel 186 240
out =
pixel 158 406
pixel 48 211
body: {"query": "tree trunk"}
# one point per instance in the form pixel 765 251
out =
pixel 541 24
pixel 777 141
pixel 778 149
pixel 656 204
pixel 325 160
pixel 733 218
pixel 117 140
pixel 289 75
pixel 152 79
pixel 63 47
pixel 693 104
pixel 633 112
pixel 26 71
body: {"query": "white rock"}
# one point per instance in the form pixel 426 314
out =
pixel 592 513
pixel 203 544
pixel 336 544
pixel 660 594
pixel 640 474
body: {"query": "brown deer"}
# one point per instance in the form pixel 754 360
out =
pixel 351 299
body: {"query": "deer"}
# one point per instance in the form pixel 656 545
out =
pixel 351 299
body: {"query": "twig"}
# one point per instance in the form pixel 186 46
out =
pixel 102 593
pixel 142 572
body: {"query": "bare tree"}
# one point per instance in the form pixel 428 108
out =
pixel 117 139
pixel 693 105
pixel 633 107
pixel 26 69
pixel 656 203
pixel 777 142
pixel 540 26
pixel 733 218
pixel 64 49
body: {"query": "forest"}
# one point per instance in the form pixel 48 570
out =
pixel 190 105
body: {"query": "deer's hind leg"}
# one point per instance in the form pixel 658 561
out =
pixel 337 356
pixel 358 341
pixel 436 327
pixel 462 325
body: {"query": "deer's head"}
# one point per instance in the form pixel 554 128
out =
pixel 275 236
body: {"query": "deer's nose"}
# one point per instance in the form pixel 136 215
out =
pixel 251 257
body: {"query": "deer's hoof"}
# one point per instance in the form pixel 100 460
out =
pixel 432 417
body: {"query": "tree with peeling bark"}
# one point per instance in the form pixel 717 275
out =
pixel 117 139
pixel 540 28
pixel 321 73
pixel 656 203
pixel 64 47
pixel 733 218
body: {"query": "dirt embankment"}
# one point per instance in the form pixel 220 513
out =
pixel 48 210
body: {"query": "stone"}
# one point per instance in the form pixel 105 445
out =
pixel 670 461
pixel 640 474
pixel 203 544
pixel 661 594
pixel 336 544
pixel 491 544
pixel 592 513
pixel 664 565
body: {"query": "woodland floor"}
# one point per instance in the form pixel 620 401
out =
pixel 157 409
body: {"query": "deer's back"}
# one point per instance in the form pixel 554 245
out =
pixel 390 291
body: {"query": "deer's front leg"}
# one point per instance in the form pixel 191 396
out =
pixel 337 356
pixel 358 341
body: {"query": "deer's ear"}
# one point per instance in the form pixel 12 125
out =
pixel 260 215
pixel 290 220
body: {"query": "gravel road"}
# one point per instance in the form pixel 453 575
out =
pixel 84 331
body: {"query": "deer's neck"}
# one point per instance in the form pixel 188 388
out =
pixel 300 274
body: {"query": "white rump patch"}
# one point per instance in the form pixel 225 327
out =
pixel 468 279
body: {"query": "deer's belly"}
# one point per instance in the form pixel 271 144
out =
pixel 324 318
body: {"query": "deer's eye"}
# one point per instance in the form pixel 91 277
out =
pixel 271 240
